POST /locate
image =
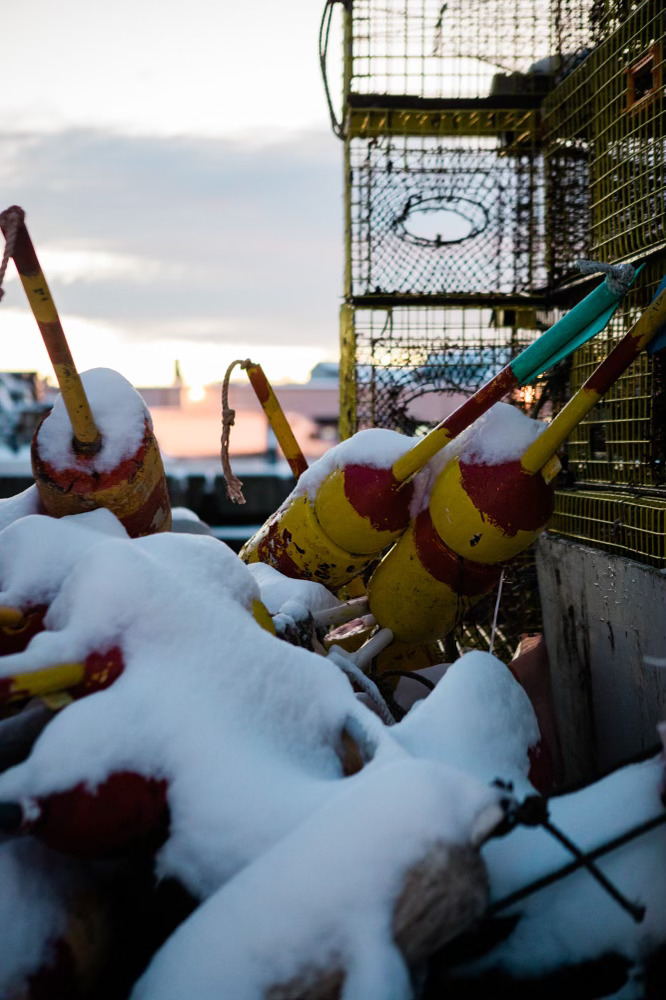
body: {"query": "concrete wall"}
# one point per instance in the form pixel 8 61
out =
pixel 603 615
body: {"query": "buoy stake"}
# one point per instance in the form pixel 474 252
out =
pixel 581 323
pixel 86 437
pixel 602 378
pixel 39 682
pixel 10 617
pixel 276 418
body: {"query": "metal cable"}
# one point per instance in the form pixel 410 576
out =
pixel 324 32
pixel 583 859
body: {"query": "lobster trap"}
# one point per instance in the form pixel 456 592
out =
pixel 444 215
pixel 415 364
pixel 604 150
pixel 448 50
pixel 489 144
pixel 604 142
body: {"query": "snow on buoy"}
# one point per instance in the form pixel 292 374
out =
pixel 126 475
pixel 346 508
pixel 423 585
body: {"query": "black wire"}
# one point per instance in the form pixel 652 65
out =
pixel 324 31
pixel 584 860
pixel 412 674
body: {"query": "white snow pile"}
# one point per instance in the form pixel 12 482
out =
pixel 12 508
pixel 298 867
pixel 282 594
pixel 120 415
pixel 501 434
pixel 330 886
pixel 575 919
pixel 478 719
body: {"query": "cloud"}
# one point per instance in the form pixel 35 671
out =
pixel 174 237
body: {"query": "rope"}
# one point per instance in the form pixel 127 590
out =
pixel 362 681
pixel 496 612
pixel 234 486
pixel 618 276
pixel 14 220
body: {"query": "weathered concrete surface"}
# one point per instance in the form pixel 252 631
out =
pixel 603 615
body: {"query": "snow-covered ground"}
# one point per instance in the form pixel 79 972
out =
pixel 262 782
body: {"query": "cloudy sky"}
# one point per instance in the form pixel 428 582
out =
pixel 180 181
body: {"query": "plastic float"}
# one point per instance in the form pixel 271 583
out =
pixel 87 454
pixel 332 528
pixel 481 514
pixel 222 753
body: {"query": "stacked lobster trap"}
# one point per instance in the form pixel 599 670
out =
pixel 445 212
pixel 488 145
pixel 604 150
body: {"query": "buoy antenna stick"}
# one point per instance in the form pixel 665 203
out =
pixel 646 327
pixel 86 437
pixel 581 323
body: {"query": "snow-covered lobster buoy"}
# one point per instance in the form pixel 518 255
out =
pixel 88 453
pixel 17 627
pixel 483 512
pixel 125 475
pixel 331 533
pixel 333 530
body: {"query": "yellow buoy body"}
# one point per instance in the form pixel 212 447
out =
pixel 363 509
pixel 421 589
pixel 135 490
pixel 357 511
pixel 293 541
pixel 489 513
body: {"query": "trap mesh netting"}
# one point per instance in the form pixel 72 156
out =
pixel 435 216
pixel 415 364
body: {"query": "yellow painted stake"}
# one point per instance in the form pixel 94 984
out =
pixel 276 418
pixel 451 554
pixel 10 617
pixel 627 350
pixel 41 682
pixel 87 439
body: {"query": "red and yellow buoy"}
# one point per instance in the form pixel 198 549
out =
pixel 358 510
pixel 481 515
pixel 135 488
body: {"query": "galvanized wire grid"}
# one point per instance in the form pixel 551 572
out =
pixel 626 524
pixel 405 353
pixel 622 440
pixel 434 216
pixel 449 48
pixel 628 182
pixel 567 154
pixel 519 611
pixel 605 128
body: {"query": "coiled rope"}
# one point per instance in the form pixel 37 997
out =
pixel 13 221
pixel 233 484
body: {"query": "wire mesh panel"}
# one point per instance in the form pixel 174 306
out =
pixel 441 216
pixel 621 441
pixel 449 48
pixel 626 524
pixel 605 141
pixel 628 183
pixel 518 613
pixel 567 151
pixel 406 354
